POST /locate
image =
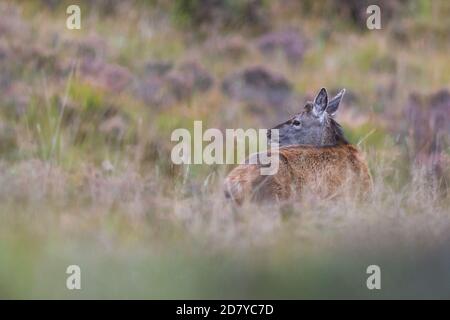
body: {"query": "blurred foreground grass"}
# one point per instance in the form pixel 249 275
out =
pixel 85 172
pixel 132 239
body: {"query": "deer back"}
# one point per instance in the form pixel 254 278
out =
pixel 324 172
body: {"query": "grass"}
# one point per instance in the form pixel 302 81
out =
pixel 72 192
pixel 135 239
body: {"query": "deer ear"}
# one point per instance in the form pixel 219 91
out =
pixel 320 102
pixel 333 105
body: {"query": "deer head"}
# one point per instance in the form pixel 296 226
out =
pixel 314 125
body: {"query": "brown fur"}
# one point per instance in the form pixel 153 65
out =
pixel 325 172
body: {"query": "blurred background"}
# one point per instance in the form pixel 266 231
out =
pixel 85 172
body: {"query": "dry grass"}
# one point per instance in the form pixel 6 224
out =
pixel 123 228
pixel 72 192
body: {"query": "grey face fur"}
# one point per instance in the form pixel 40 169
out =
pixel 314 125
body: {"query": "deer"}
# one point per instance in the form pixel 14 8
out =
pixel 314 158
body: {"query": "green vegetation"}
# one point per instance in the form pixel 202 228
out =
pixel 85 170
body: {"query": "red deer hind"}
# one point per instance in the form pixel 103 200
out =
pixel 314 157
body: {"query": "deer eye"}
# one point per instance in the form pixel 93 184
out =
pixel 296 123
